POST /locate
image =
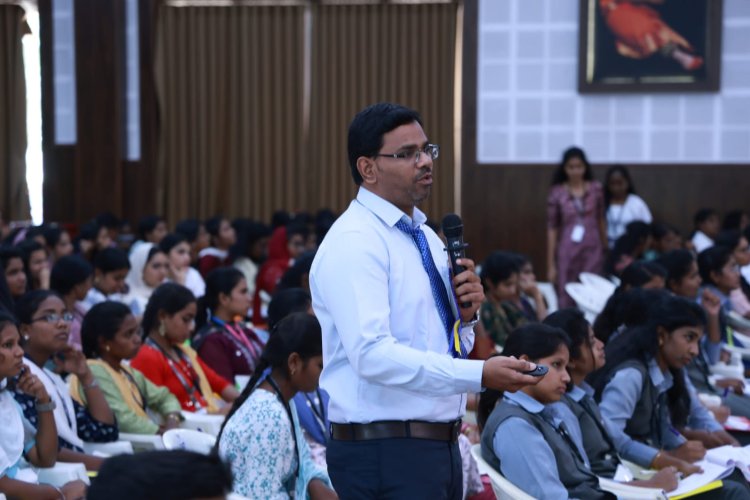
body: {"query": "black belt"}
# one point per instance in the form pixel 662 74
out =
pixel 388 429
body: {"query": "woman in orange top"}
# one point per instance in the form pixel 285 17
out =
pixel 166 361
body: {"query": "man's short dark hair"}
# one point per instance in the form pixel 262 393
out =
pixel 368 127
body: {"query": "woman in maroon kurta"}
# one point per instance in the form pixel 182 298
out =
pixel 576 227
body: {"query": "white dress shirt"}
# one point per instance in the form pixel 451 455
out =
pixel 385 350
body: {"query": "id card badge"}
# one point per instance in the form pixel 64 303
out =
pixel 576 235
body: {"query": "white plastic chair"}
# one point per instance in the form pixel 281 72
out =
pixel 504 489
pixel 210 424
pixel 188 439
pixel 602 284
pixel 588 299
pixel 108 449
pixel 143 442
pixel 550 295
pixel 63 473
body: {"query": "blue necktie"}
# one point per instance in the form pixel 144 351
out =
pixel 436 283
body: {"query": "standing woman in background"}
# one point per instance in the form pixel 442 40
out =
pixel 576 228
pixel 622 204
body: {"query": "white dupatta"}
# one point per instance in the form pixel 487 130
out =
pixel 11 431
pixel 65 415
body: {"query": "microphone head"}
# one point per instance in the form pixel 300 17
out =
pixel 452 226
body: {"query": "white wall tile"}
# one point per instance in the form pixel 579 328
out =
pixel 562 44
pixel 529 76
pixel 495 77
pixel 561 111
pixel 735 145
pixel 495 145
pixel 596 144
pixel 530 44
pixel 559 141
pixel 494 12
pixel 698 145
pixel 596 111
pixel 495 112
pixel 628 146
pixel 665 145
pixel 494 45
pixel 530 11
pixel 736 8
pixel 736 111
pixel 628 111
pixel 528 112
pixel 665 110
pixel 700 110
pixel 736 74
pixel 529 145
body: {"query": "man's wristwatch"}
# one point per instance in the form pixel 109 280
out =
pixel 42 407
pixel 471 322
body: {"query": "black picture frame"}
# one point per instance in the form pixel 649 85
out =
pixel 612 58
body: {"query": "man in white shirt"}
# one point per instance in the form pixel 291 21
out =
pixel 707 227
pixel 394 340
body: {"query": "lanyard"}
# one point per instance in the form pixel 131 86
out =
pixel 190 389
pixel 240 338
pixel 288 409
pixel 319 412
pixel 140 399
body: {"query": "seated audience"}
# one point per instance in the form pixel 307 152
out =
pixel 92 239
pixel 628 248
pixel 736 220
pixel 44 324
pixel 148 269
pixel 498 314
pixel 151 229
pixel 11 260
pixel 18 441
pixel 196 234
pixel 36 264
pixel 664 239
pixel 312 407
pixel 286 245
pixel 72 277
pixel 622 205
pixel 529 299
pixel 111 266
pixel 222 238
pixel 251 249
pixel 224 341
pixel 585 422
pixel 57 241
pixel 167 362
pixel 645 392
pixel 541 458
pixel 276 462
pixel 177 249
pixel 707 226
pixel 111 336
pixel 739 297
pixel 162 475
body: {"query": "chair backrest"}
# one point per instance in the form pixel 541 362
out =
pixel 504 489
pixel 598 282
pixel 210 424
pixel 188 439
pixel 550 295
pixel 588 299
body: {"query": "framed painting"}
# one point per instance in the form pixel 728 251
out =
pixel 649 45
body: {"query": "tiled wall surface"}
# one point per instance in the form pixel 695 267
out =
pixel 529 110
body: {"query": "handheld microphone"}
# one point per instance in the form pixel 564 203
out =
pixel 453 229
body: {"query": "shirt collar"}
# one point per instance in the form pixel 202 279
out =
pixel 662 381
pixel 576 394
pixel 387 211
pixel 585 387
pixel 724 299
pixel 525 401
